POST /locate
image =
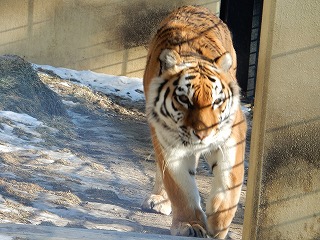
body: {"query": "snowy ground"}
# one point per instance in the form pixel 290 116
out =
pixel 92 170
pixel 130 88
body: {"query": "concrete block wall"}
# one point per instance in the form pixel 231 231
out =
pixel 107 36
pixel 283 191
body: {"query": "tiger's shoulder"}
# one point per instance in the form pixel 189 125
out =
pixel 193 23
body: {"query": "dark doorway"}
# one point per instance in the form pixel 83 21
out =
pixel 243 17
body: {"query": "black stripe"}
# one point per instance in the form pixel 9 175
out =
pixel 176 82
pixel 197 55
pixel 166 94
pixel 155 115
pixel 208 86
pixel 190 77
pixel 213 166
pixel 159 91
pixel 211 79
pixel 164 109
pixel 173 106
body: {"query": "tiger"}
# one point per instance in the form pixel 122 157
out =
pixel 193 110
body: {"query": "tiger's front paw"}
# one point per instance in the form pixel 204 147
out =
pixel 189 229
pixel 218 228
pixel 157 203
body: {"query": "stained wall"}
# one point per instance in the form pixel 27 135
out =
pixel 108 36
pixel 283 197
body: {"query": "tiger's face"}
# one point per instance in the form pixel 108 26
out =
pixel 191 104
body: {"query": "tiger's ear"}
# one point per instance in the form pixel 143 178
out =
pixel 224 62
pixel 169 59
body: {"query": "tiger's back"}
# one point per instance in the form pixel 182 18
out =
pixel 193 108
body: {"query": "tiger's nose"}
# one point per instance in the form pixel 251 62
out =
pixel 201 134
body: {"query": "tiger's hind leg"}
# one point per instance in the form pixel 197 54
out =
pixel 158 200
pixel 228 171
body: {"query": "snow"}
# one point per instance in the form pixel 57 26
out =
pixel 129 88
pixel 20 118
pixel 10 139
pixel 3 237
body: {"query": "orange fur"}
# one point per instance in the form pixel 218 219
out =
pixel 192 100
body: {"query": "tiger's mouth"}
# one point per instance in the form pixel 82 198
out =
pixel 199 147
pixel 194 139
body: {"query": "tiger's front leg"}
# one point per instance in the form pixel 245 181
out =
pixel 177 171
pixel 158 200
pixel 228 170
pixel 179 179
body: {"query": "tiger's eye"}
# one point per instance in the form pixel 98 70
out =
pixel 217 101
pixel 183 99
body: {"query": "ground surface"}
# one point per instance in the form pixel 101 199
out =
pixel 88 166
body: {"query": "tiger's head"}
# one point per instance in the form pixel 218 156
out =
pixel 192 101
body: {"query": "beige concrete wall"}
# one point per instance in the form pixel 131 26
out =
pixel 283 198
pixel 106 36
